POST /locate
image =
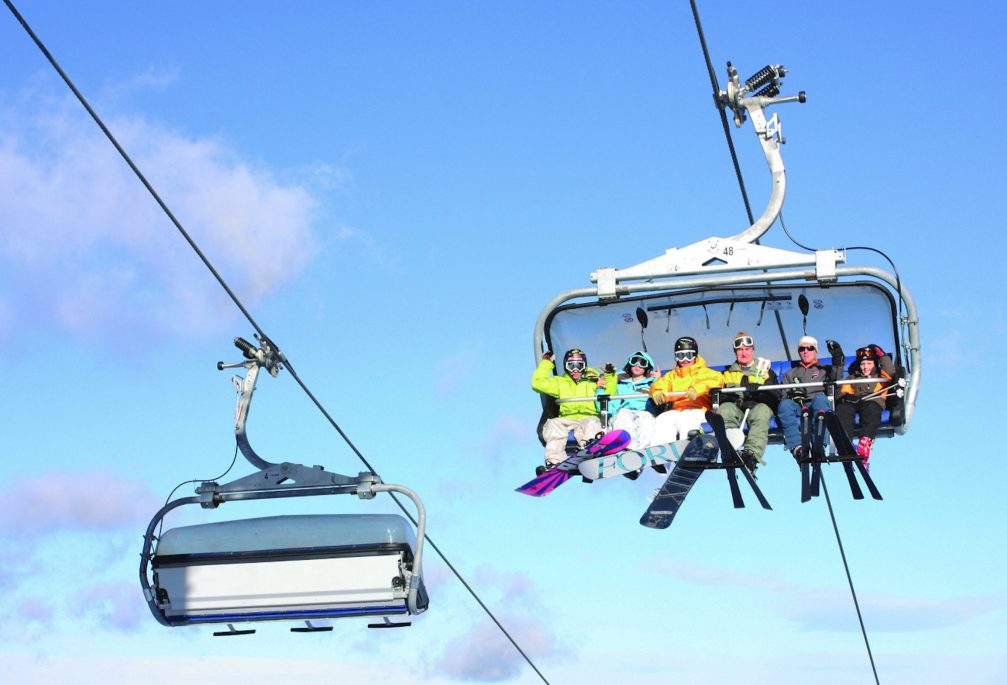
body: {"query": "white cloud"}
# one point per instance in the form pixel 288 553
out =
pixel 819 608
pixel 482 654
pixel 85 249
pixel 114 604
pixel 89 501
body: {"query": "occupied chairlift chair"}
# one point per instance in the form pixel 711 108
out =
pixel 717 286
pixel 302 568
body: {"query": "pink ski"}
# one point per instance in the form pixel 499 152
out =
pixel 610 443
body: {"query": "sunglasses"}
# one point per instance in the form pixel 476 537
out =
pixel 744 341
pixel 685 355
pixel 574 365
pixel 639 361
pixel 805 348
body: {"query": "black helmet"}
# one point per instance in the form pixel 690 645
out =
pixel 686 343
pixel 577 356
pixel 575 353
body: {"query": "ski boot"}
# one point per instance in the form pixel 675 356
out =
pixel 864 450
pixel 798 453
pixel 750 460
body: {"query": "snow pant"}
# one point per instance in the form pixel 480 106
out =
pixel 870 417
pixel 789 414
pixel 638 423
pixel 758 425
pixel 555 432
pixel 675 425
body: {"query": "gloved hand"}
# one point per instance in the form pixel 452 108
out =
pixel 762 366
pixel 715 396
pixel 609 367
pixel 836 350
pixel 797 395
pixel 691 394
pixel 658 397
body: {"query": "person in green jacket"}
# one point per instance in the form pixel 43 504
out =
pixel 578 380
pixel 750 372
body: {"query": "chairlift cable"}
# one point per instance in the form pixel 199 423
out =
pixel 751 219
pixel 286 362
pixel 734 155
pixel 129 161
pixel 723 114
pixel 849 579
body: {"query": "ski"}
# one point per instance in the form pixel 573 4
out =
pixel 850 458
pixel 610 443
pixel 805 460
pixel 701 451
pixel 818 453
pixel 728 455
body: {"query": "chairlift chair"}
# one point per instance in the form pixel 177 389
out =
pixel 300 567
pixel 715 287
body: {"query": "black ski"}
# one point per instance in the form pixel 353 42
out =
pixel 850 458
pixel 805 458
pixel 661 512
pixel 818 448
pixel 729 456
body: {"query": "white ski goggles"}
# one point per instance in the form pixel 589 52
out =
pixel 685 355
pixel 575 365
pixel 744 341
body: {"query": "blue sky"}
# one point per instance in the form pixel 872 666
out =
pixel 395 190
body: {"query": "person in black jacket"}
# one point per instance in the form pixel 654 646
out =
pixel 807 370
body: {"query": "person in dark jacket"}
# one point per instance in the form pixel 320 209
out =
pixel 854 399
pixel 807 370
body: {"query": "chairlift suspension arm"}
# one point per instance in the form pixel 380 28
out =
pixel 255 358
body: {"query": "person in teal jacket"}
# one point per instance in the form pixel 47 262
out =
pixel 634 415
pixel 578 380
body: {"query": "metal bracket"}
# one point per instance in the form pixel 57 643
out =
pixel 718 255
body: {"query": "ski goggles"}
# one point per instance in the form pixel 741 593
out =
pixel 806 348
pixel 639 361
pixel 575 365
pixel 744 341
pixel 685 355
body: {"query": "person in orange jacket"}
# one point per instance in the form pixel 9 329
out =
pixel 871 362
pixel 683 393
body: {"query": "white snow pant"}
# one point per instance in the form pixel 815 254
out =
pixel 554 432
pixel 638 423
pixel 675 425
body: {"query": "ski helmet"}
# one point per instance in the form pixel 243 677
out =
pixel 575 355
pixel 641 359
pixel 867 353
pixel 686 343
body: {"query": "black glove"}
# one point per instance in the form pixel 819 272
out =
pixel 715 396
pixel 836 350
pixel 797 395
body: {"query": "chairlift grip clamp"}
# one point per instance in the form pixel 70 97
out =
pixel 209 494
pixel 367 480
